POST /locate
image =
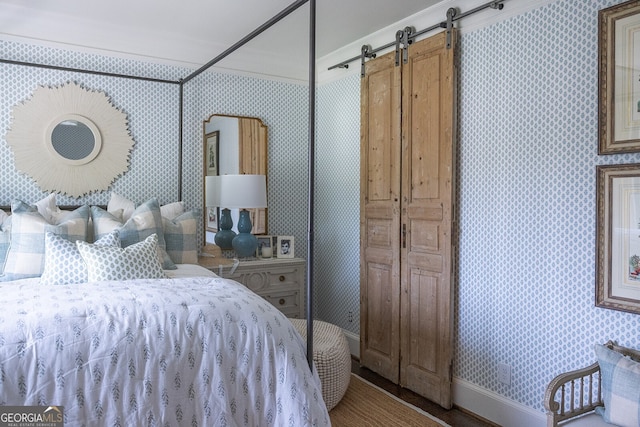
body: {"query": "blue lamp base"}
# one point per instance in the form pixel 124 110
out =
pixel 245 243
pixel 224 237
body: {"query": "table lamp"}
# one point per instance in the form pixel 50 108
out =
pixel 224 236
pixel 241 192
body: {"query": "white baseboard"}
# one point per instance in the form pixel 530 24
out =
pixel 493 407
pixel 484 403
pixel 354 343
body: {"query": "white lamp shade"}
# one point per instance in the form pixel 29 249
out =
pixel 212 191
pixel 236 191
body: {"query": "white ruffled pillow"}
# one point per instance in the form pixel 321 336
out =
pixel 120 207
pixel 172 210
pixel 137 261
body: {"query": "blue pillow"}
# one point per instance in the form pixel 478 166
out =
pixel 144 221
pixel 63 263
pixel 620 383
pixel 180 236
pixel 26 250
pixel 137 261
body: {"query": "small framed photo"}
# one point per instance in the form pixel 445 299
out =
pixel 265 247
pixel 213 214
pixel 286 246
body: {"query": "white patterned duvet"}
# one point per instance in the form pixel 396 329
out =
pixel 198 351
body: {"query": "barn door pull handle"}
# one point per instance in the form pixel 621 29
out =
pixel 404 236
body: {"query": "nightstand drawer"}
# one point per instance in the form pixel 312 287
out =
pixel 279 281
pixel 287 276
pixel 288 302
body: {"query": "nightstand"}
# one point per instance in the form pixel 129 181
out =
pixel 278 280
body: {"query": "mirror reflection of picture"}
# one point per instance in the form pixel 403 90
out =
pixel 212 152
pixel 286 246
pixel 212 219
pixel 265 247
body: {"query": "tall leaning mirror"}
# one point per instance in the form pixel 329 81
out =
pixel 233 145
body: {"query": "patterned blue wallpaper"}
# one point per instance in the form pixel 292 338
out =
pixel 337 231
pixel 527 158
pixel 526 185
pixel 151 109
pixel 528 100
pixel 153 114
pixel 283 107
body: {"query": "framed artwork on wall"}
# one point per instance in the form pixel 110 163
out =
pixel 619 79
pixel 618 237
pixel 286 246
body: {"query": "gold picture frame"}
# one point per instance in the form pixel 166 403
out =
pixel 618 78
pixel 618 237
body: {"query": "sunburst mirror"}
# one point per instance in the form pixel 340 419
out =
pixel 70 140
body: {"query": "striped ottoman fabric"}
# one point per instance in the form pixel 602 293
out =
pixel 331 357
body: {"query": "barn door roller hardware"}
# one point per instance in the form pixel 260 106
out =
pixel 365 53
pixel 406 38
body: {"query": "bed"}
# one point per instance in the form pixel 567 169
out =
pixel 165 346
pixel 170 350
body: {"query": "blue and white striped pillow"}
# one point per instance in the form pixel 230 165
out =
pixel 620 382
pixel 144 221
pixel 180 236
pixel 26 250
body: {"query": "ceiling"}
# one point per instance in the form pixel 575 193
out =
pixel 192 32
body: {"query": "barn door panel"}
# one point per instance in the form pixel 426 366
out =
pixel 380 217
pixel 427 272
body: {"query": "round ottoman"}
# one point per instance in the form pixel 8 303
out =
pixel 331 356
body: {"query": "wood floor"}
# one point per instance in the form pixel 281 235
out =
pixel 455 417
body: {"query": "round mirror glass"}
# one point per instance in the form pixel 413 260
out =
pixel 73 140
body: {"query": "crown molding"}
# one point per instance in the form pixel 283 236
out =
pixel 249 62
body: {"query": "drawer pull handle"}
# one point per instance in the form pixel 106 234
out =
pixel 281 302
pixel 281 278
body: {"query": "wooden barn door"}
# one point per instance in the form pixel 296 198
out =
pixel 380 217
pixel 407 215
pixel 427 267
